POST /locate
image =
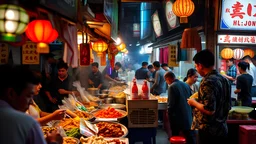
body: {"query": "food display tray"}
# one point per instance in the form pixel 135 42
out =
pixel 86 132
pixel 124 113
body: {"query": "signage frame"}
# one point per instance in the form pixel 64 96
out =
pixel 221 25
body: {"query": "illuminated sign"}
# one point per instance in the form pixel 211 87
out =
pixel 238 15
pixel 236 39
pixel 170 16
pixel 157 24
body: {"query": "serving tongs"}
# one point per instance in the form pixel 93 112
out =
pixel 92 127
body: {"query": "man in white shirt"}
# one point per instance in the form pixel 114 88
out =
pixel 252 72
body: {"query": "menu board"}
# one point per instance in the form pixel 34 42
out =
pixel 4 53
pixel 30 54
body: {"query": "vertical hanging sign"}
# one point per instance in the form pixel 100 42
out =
pixel 4 53
pixel 30 54
pixel 85 55
pixel 172 56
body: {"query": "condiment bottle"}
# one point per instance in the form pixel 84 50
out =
pixel 145 91
pixel 135 90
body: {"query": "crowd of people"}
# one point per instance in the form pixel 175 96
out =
pixel 245 82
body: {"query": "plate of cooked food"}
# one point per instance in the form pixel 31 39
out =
pixel 104 129
pixel 47 129
pixel 102 140
pixel 70 140
pixel 109 113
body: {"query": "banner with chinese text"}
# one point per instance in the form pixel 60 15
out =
pixel 4 53
pixel 30 54
pixel 236 39
pixel 85 54
pixel 172 56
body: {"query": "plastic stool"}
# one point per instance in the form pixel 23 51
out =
pixel 177 140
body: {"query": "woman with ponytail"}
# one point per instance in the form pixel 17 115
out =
pixel 244 84
pixel 191 80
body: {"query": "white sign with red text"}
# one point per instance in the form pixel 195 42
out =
pixel 236 39
pixel 170 16
pixel 156 24
pixel 238 15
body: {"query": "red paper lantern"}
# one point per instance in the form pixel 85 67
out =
pixel 238 54
pixel 227 53
pixel 183 9
pixel 41 32
pixel 249 52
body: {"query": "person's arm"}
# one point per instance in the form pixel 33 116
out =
pixel 48 94
pixel 42 114
pixel 157 80
pixel 99 87
pixel 229 77
pixel 56 115
pixel 109 78
pixel 208 98
pixel 238 85
pixel 63 91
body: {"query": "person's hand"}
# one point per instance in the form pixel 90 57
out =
pixel 54 137
pixel 235 92
pixel 59 114
pixel 76 93
pixel 191 101
pixel 61 91
pixel 53 100
pixel 90 82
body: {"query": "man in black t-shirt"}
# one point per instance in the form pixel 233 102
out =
pixel 95 77
pixel 60 86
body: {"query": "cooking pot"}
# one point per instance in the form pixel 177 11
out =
pixel 93 91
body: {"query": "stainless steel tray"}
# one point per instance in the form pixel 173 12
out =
pixel 124 113
pixel 116 106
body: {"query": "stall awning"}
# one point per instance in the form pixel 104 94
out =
pixel 104 31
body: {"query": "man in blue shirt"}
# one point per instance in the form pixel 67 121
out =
pixel 179 112
pixel 231 73
pixel 159 85
pixel 142 73
pixel 16 94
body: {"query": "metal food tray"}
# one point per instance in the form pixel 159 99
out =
pixel 86 132
pixel 116 106
pixel 124 113
pixel 126 140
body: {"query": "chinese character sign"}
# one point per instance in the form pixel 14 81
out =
pixel 172 56
pixel 84 54
pixel 4 53
pixel 30 54
pixel 238 15
pixel 236 39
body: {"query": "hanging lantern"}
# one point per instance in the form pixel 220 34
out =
pixel 13 21
pixel 121 47
pixel 227 53
pixel 183 9
pixel 249 52
pixel 100 47
pixel 42 33
pixel 238 54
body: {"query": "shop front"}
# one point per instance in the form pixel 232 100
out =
pixel 168 32
pixel 235 34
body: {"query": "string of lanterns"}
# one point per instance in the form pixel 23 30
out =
pixel 228 53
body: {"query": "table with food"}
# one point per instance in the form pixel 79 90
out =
pixel 91 119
